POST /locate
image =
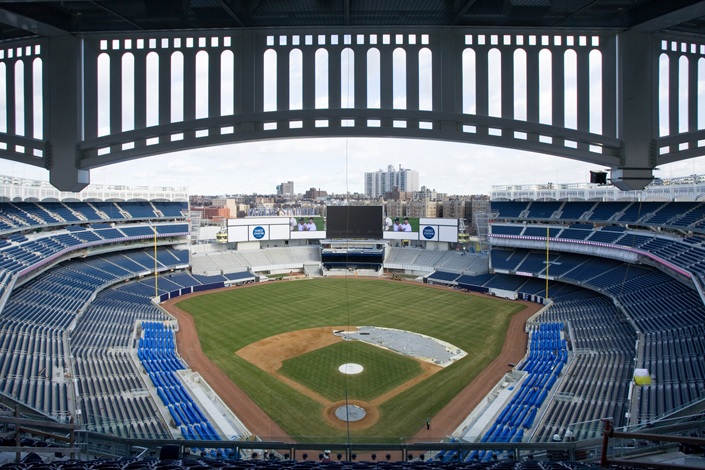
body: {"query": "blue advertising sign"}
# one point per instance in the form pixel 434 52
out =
pixel 258 232
pixel 428 233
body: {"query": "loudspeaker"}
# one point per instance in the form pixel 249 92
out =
pixel 170 452
pixel 598 177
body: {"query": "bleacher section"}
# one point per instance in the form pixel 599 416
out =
pixel 417 259
pixel 543 365
pixel 291 258
pixel 157 353
pixel 217 263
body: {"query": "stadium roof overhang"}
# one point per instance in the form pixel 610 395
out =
pixel 70 24
pixel 25 18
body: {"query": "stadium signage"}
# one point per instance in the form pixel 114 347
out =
pixel 258 232
pixel 428 233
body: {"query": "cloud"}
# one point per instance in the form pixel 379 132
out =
pixel 338 165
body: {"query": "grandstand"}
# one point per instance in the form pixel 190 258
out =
pixel 83 343
pixel 626 279
pixel 57 358
pixel 77 289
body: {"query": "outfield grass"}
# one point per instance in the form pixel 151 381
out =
pixel 383 370
pixel 229 320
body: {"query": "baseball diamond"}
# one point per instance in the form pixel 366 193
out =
pixel 280 350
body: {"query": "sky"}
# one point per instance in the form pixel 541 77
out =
pixel 337 165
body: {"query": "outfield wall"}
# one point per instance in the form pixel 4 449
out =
pixel 206 287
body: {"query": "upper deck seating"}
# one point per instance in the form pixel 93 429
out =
pixel 576 210
pixel 139 210
pixel 638 211
pixel 509 209
pixel 543 209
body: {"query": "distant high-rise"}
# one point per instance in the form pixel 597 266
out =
pixel 285 189
pixel 380 182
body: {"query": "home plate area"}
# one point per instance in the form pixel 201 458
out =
pixel 351 369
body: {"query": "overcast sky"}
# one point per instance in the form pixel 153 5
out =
pixel 338 165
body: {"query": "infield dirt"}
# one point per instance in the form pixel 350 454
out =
pixel 270 353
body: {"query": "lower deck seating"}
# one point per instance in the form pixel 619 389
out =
pixel 543 365
pixel 157 353
pixel 204 463
pixel 596 382
pixel 38 318
pixel 652 302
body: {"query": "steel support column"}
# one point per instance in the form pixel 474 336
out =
pixel 637 90
pixel 64 107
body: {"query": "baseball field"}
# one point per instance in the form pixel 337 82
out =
pixel 276 342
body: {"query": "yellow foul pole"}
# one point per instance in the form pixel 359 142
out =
pixel 156 277
pixel 547 262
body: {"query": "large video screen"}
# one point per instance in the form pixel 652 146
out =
pixel 354 222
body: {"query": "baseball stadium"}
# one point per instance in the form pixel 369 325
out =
pixel 570 334
pixel 119 329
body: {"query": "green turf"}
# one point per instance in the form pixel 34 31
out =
pixel 383 370
pixel 229 320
